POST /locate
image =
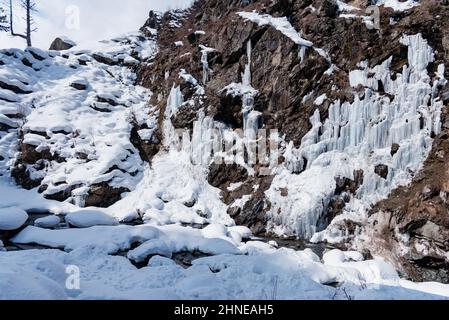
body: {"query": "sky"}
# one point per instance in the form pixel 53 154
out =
pixel 84 21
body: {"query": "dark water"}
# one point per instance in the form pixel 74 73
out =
pixel 297 244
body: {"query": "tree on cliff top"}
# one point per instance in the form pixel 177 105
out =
pixel 30 8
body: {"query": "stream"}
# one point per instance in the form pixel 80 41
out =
pixel 184 259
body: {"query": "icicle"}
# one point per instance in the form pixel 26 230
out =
pixel 174 102
pixel 248 96
pixel 205 62
pixel 202 140
pixel 302 53
pixel 246 76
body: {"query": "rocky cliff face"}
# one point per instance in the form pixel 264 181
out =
pixel 353 94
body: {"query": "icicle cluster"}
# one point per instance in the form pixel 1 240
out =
pixel 359 136
pixel 205 62
pixel 251 117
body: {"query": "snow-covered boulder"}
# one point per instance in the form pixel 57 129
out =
pixel 336 257
pixel 159 261
pixel 12 218
pixel 37 53
pixel 215 231
pixel 62 43
pixel 105 58
pixel 89 218
pixel 149 248
pixel 47 222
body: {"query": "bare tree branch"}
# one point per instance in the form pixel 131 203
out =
pixel 30 7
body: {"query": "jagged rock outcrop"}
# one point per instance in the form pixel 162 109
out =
pixel 61 44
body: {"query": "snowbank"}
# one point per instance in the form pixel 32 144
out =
pixel 89 218
pixel 264 273
pixel 12 218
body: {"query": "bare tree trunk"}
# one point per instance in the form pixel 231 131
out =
pixel 11 27
pixel 28 19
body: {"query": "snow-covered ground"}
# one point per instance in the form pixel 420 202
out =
pixel 233 269
pixel 75 108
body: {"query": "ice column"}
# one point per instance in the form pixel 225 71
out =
pixel 205 62
pixel 174 102
pixel 251 118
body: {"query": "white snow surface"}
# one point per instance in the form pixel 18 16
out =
pixel 344 7
pixel 88 218
pixel 47 222
pixel 252 270
pixel 281 24
pixel 397 5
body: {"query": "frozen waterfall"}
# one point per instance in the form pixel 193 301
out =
pixel 359 136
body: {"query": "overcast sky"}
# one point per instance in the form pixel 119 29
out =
pixel 86 20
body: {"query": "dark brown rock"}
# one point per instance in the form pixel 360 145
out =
pixel 103 195
pixel 154 21
pixel 336 207
pixel 105 59
pixel 107 100
pixel 147 149
pixel 60 44
pixel 14 88
pixel 330 8
pixel 394 149
pixel 225 174
pixel 61 195
pixel 79 85
pixel 381 170
pixel 429 192
pixel 348 185
pixel 22 176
